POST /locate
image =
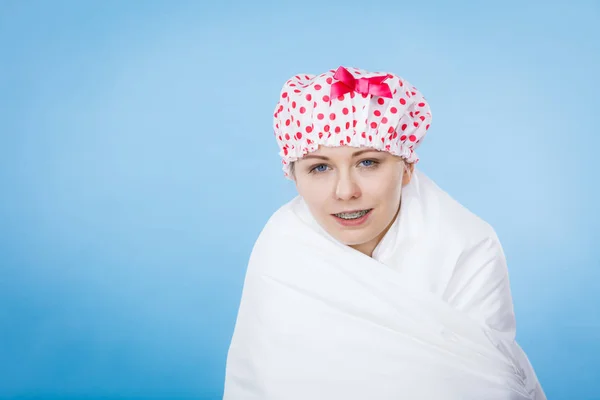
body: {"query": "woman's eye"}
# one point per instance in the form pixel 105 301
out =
pixel 320 168
pixel 368 163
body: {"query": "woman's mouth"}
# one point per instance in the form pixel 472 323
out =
pixel 352 218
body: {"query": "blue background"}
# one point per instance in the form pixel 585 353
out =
pixel 138 165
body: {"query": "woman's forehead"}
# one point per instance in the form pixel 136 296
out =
pixel 344 151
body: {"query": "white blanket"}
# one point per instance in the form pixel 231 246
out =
pixel 429 316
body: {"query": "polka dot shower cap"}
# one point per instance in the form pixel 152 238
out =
pixel 349 107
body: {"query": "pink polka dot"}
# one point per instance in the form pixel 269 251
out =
pixel 329 80
pixel 297 90
pixel 309 129
pixel 318 87
pixel 422 118
pixel 302 110
pixel 348 139
pixel 421 104
pixel 404 126
pixel 403 138
pixel 377 113
pixel 338 129
pixel 364 135
pixel 373 125
pixel 402 101
pixel 370 138
pixel 326 99
pixel 287 122
pixel 395 135
pixel 354 123
pixel 380 101
pixel 345 110
pixel 299 135
pixel 393 110
pixel 412 138
pixel 287 136
pixel 384 120
pixel 353 109
pixel 308 97
pixel 293 104
pixel 415 124
pixel 332 116
pixel 284 95
pixel 320 116
pixel 341 98
pixel 320 135
pixel 326 128
pixel 347 125
pixel 298 123
pixel 391 129
pixel 427 127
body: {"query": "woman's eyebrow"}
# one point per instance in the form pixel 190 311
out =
pixel 314 156
pixel 356 154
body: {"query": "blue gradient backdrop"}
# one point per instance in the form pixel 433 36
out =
pixel 138 166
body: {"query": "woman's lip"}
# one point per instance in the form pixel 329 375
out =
pixel 353 222
pixel 353 211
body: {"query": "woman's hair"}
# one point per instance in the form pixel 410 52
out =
pixel 403 161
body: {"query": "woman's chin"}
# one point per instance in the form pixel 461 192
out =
pixel 353 238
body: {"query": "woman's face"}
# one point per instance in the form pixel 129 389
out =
pixel 335 180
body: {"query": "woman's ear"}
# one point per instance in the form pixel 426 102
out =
pixel 408 172
pixel 293 172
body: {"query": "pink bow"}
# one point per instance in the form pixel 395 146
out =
pixel 365 86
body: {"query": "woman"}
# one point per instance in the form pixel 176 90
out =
pixel 373 283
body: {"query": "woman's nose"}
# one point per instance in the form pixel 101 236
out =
pixel 347 187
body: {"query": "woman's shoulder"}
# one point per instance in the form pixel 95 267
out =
pixel 449 215
pixel 281 221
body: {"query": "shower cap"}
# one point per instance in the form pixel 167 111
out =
pixel 349 107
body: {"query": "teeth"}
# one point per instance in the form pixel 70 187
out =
pixel 353 215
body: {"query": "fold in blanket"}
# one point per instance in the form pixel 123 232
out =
pixel 429 316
